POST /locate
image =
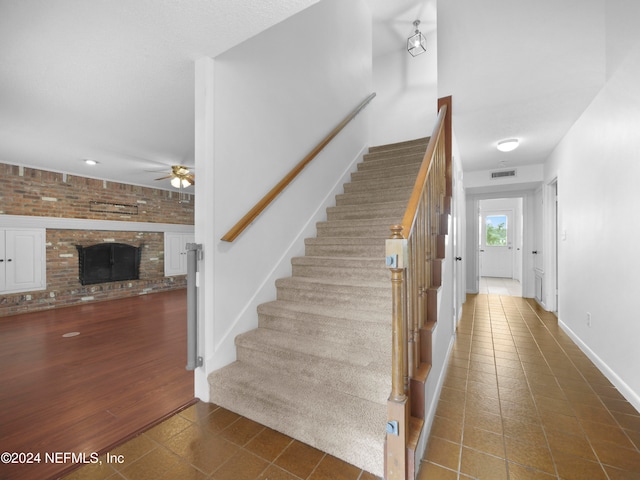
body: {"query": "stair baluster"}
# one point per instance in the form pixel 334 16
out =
pixel 414 254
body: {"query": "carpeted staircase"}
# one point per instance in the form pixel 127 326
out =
pixel 318 367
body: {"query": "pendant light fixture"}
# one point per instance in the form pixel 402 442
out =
pixel 416 43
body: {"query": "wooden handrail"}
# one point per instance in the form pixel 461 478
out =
pixel 259 207
pixel 414 254
pixel 414 200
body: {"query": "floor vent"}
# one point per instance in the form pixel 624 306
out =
pixel 503 174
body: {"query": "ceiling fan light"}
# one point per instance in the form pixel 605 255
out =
pixel 178 182
pixel 508 145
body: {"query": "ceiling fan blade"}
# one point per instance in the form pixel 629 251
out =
pixel 163 178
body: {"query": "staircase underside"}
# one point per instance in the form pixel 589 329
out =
pixel 318 367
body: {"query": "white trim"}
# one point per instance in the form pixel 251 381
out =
pixel 613 377
pixel 26 221
pixel 205 164
pixel 550 245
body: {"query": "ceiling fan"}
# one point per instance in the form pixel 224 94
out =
pixel 180 177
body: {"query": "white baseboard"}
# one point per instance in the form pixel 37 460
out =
pixel 626 391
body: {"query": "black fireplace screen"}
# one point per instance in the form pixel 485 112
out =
pixel 108 262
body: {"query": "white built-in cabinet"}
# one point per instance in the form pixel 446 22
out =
pixel 175 253
pixel 22 259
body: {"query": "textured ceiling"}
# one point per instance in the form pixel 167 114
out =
pixel 518 69
pixel 112 80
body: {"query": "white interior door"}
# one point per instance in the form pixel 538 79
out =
pixel 496 243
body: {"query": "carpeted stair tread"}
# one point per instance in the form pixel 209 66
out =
pixel 359 198
pixel 372 227
pixel 291 343
pixel 340 267
pixel 368 382
pixel 390 163
pixel 345 246
pixel 316 352
pixel 318 367
pixel 364 294
pixel 296 406
pixel 371 210
pixel 399 146
pixel 355 328
pixel 332 283
pixel 375 183
pixel 381 173
pixel 356 262
pixel 418 150
pixel 360 223
pixel 314 312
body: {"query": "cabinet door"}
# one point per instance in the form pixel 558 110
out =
pixel 175 253
pixel 172 254
pixel 24 260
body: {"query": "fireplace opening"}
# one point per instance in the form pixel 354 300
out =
pixel 108 262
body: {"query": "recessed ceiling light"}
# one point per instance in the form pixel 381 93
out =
pixel 90 162
pixel 508 145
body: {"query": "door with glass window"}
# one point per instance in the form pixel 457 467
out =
pixel 496 244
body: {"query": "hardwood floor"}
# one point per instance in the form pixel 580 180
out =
pixel 89 392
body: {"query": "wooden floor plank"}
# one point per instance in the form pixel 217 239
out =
pixel 87 393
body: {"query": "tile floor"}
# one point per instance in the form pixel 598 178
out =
pixel 500 286
pixel 520 401
pixel 205 441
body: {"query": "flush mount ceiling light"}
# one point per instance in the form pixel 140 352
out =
pixel 416 43
pixel 88 161
pixel 508 145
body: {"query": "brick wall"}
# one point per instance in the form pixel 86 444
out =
pixel 48 194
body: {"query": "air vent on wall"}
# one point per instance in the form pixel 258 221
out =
pixel 503 174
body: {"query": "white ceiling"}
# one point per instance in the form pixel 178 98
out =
pixel 518 69
pixel 112 80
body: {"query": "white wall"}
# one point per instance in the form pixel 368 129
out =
pixel 276 96
pixel 407 102
pixel 597 166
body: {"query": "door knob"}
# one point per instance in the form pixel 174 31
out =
pixel 535 252
pixel 458 259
